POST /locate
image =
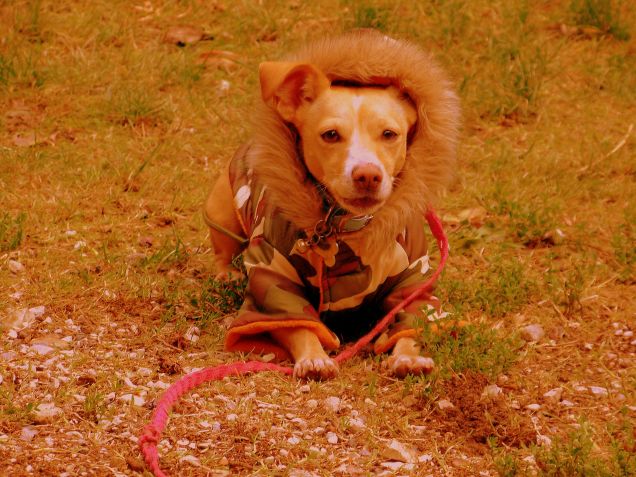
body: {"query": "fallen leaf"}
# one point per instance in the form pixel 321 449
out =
pixel 186 35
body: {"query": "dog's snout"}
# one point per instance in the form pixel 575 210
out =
pixel 367 177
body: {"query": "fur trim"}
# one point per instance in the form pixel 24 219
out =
pixel 367 57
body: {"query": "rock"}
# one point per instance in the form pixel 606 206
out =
pixel 544 441
pixel 397 466
pixel 357 424
pixel 333 403
pixel 533 407
pixel 599 391
pixel 304 388
pixel 532 333
pixel 425 458
pixel 445 404
pixel 332 438
pixel 15 267
pixel 45 412
pixel 231 417
pixel 312 404
pixel 566 403
pixel 293 440
pixel 553 395
pixel 492 391
pixel 41 349
pixel 190 459
pixel 28 433
pixel 135 400
pixel 396 450
pixel 192 334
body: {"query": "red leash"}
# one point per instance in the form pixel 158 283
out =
pixel 151 434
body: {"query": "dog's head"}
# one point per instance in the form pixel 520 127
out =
pixel 354 139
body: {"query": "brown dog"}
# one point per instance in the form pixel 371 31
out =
pixel 355 136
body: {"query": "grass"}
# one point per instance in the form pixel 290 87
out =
pixel 103 212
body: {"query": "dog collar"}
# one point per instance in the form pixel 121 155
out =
pixel 336 222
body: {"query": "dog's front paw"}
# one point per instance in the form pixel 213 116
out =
pixel 400 365
pixel 315 368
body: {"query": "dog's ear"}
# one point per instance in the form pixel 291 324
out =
pixel 286 85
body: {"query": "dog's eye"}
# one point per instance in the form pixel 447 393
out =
pixel 330 136
pixel 388 134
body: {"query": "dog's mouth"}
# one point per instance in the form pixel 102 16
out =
pixel 361 205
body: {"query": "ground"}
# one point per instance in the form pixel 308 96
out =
pixel 115 117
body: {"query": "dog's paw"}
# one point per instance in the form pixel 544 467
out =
pixel 315 368
pixel 401 365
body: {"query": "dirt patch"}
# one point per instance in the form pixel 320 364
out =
pixel 481 418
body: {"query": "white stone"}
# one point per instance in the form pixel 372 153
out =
pixel 543 440
pixel 491 391
pixel 190 459
pixel 41 349
pixel 333 403
pixel 332 438
pixel 357 424
pixel 553 395
pixel 396 450
pixel 45 412
pixel 566 403
pixel 136 400
pixel 599 391
pixel 425 458
pixel 445 404
pixel 312 404
pixel 304 388
pixel 532 333
pixel 28 433
pixel 38 310
pixel 533 407
pixel 397 466
pixel 231 417
pixel 293 440
pixel 15 266
pixel 192 334
pixel 283 452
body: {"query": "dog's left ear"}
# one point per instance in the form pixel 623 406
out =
pixel 287 85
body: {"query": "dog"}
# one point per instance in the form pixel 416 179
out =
pixel 354 137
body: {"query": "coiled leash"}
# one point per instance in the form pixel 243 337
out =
pixel 151 433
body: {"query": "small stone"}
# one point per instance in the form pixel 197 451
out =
pixel 312 404
pixel 135 400
pixel 566 403
pixel 41 349
pixel 224 462
pixel 293 440
pixel 445 404
pixel 396 450
pixel 357 424
pixel 425 458
pixel 394 466
pixel 192 334
pixel 599 391
pixel 533 407
pixel 283 452
pixel 553 395
pixel 45 412
pixel 492 391
pixel 80 244
pixel 370 402
pixel 304 388
pixel 231 417
pixel 15 267
pixel 28 433
pixel 190 459
pixel 332 438
pixel 544 441
pixel 333 403
pixel 532 333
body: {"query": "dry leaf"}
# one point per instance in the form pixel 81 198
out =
pixel 186 35
pixel 27 139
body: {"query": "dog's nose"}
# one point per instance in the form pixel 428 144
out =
pixel 367 177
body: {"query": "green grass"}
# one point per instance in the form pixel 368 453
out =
pixel 11 231
pixel 602 14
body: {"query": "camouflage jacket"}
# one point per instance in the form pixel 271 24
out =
pixel 333 288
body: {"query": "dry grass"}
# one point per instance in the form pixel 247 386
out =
pixel 109 138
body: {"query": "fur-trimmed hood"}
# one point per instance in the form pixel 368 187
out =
pixel 366 57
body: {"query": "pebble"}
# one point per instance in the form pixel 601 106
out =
pixel 398 451
pixel 533 407
pixel 41 349
pixel 332 438
pixel 304 388
pixel 283 452
pixel 45 412
pixel 333 403
pixel 397 466
pixel 445 404
pixel 599 391
pixel 532 333
pixel 192 334
pixel 491 391
pixel 544 440
pixel 136 400
pixel 566 403
pixel 231 417
pixel 28 433
pixel 357 424
pixel 15 267
pixel 190 459
pixel 553 395
pixel 293 440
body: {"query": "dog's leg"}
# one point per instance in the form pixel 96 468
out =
pixel 311 361
pixel 219 208
pixel 405 359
